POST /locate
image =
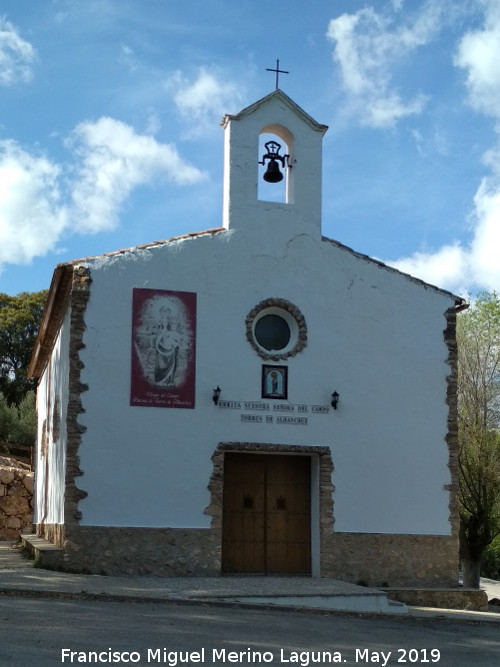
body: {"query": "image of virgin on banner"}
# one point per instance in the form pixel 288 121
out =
pixel 163 348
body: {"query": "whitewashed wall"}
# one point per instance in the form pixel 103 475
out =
pixel 374 336
pixel 52 384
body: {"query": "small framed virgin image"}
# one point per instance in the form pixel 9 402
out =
pixel 274 381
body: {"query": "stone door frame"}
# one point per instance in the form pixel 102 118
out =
pixel 322 489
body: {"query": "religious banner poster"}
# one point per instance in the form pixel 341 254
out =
pixel 274 381
pixel 163 349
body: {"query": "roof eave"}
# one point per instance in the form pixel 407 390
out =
pixel 283 97
pixel 55 308
pixel 460 302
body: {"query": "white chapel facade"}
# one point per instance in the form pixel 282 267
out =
pixel 254 398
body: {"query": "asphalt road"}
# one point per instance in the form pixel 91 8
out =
pixel 36 632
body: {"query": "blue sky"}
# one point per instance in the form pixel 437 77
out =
pixel 110 135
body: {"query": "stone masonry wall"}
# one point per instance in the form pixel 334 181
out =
pixel 16 498
pixel 80 294
pixel 452 434
pixel 425 561
pixel 393 560
pixel 442 598
pixel 163 552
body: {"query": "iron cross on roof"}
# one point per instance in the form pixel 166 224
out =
pixel 278 72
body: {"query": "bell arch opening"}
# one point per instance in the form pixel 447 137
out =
pixel 274 178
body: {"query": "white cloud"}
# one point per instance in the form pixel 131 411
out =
pixel 447 268
pixel 128 58
pixel 205 100
pixel 16 56
pixel 109 160
pixel 479 54
pixel 485 247
pixel 31 215
pixel 477 264
pixel 367 46
pixel 397 5
pixel 461 268
pixel 113 160
pixel 153 122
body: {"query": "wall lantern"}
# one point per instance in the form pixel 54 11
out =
pixel 273 173
pixel 335 400
pixel 215 397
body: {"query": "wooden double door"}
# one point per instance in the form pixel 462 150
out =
pixel 266 525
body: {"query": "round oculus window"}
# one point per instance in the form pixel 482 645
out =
pixel 272 332
pixel 276 329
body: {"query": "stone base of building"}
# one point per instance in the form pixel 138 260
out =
pixel 53 532
pixel 376 560
pixel 163 552
pixel 467 599
pixel 385 560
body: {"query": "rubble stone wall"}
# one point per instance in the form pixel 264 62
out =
pixel 164 552
pixel 392 560
pixel 442 598
pixel 16 498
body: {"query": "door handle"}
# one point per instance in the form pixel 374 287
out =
pixel 281 503
pixel 247 502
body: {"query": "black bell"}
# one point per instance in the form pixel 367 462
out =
pixel 273 173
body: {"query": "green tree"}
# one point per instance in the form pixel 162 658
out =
pixel 490 564
pixel 478 337
pixel 20 318
pixel 7 416
pixel 25 424
pixel 18 424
